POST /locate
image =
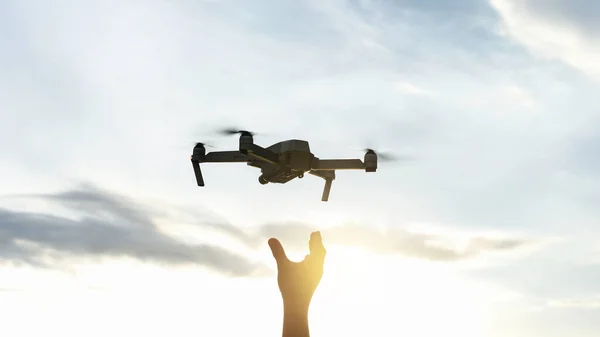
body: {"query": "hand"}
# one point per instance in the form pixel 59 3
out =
pixel 299 280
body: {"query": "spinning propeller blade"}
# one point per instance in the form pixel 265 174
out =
pixel 233 131
pixel 387 156
pixel 187 145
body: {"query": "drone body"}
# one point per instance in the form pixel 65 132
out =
pixel 281 162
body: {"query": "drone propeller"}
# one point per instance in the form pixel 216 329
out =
pixel 387 156
pixel 233 131
pixel 186 146
pixel 204 145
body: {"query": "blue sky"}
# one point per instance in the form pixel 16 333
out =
pixel 100 103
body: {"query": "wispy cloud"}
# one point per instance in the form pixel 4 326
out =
pixel 562 30
pixel 109 227
pixel 397 241
pixel 584 303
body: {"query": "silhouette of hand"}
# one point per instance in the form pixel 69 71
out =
pixel 299 280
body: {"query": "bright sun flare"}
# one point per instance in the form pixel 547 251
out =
pixel 366 294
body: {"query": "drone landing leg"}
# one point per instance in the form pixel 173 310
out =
pixel 198 173
pixel 327 189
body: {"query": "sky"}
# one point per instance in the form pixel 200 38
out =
pixel 491 231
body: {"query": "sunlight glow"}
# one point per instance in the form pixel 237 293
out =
pixel 390 297
pixel 360 294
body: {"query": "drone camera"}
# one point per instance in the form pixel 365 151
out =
pixel 370 161
pixel 262 180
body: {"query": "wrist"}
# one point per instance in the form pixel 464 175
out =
pixel 295 321
pixel 295 307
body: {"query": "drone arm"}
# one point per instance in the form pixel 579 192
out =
pixel 214 157
pixel 225 157
pixel 263 154
pixel 337 164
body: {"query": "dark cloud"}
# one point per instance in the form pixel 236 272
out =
pixel 90 200
pixel 111 226
pixel 391 241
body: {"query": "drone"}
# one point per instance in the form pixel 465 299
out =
pixel 282 161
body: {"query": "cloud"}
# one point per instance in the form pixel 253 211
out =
pixel 570 270
pixel 393 241
pixel 412 89
pixel 561 30
pixel 110 227
pixel 93 201
pixel 585 303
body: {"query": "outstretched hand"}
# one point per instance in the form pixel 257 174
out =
pixel 299 280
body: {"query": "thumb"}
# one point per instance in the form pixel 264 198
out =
pixel 316 247
pixel 278 251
